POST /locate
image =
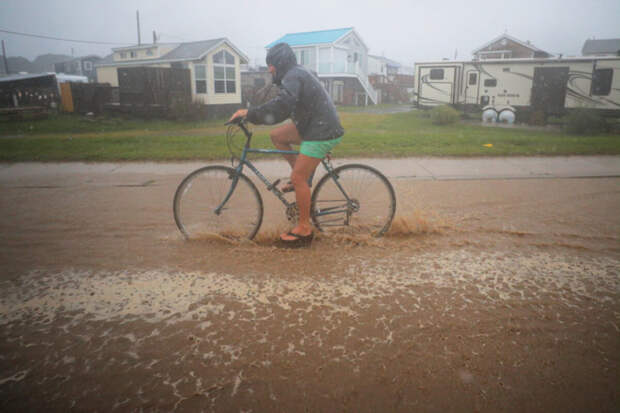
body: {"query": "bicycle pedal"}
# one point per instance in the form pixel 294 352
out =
pixel 274 184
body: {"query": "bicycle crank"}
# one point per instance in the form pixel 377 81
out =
pixel 292 213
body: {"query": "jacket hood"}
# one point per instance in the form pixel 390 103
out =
pixel 283 58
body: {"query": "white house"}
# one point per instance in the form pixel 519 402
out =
pixel 340 58
pixel 214 66
pixel 380 65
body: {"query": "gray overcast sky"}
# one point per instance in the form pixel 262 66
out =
pixel 406 31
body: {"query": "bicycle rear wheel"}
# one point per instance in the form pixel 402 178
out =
pixel 202 192
pixel 355 199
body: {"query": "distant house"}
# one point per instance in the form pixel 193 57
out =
pixel 508 47
pixel 393 81
pixel 214 67
pixel 340 58
pixel 601 47
pixel 82 66
pixel 256 86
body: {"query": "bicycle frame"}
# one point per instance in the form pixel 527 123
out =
pixel 271 187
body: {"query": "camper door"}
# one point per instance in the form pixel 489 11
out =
pixel 436 85
pixel 472 86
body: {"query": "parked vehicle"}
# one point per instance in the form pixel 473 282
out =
pixel 521 86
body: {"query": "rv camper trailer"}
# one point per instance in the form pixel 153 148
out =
pixel 521 86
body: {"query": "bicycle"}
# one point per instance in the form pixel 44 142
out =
pixel 221 200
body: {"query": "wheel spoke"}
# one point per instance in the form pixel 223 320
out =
pixel 205 207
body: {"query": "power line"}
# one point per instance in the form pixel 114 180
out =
pixel 59 38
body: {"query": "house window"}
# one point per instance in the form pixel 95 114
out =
pixel 149 52
pixel 123 55
pixel 601 81
pixel 324 60
pixel 436 74
pixel 473 79
pixel 490 82
pixel 88 66
pixel 224 72
pixel 132 54
pixel 200 74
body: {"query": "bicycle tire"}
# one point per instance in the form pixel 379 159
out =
pixel 372 206
pixel 202 191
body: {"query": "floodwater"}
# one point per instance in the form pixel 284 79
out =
pixel 485 296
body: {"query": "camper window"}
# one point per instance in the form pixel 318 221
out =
pixel 601 82
pixel 436 74
pixel 473 78
pixel 490 82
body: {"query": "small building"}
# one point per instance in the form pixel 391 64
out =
pixel 214 67
pixel 81 66
pixel 393 81
pixel 257 86
pixel 340 59
pixel 508 47
pixel 601 47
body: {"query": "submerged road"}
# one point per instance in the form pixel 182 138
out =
pixel 497 288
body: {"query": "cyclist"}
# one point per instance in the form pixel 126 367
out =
pixel 315 127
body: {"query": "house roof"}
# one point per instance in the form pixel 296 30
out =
pixel 601 46
pixel 183 52
pixel 387 61
pixel 22 76
pixel 514 39
pixel 307 38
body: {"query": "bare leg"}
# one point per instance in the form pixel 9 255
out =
pixel 283 137
pixel 304 166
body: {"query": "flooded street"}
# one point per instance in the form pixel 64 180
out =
pixel 486 295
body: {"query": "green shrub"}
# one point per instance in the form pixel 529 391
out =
pixel 444 115
pixel 187 111
pixel 537 118
pixel 584 122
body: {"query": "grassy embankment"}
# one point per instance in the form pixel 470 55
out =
pixel 74 138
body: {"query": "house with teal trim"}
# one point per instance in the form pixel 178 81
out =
pixel 340 59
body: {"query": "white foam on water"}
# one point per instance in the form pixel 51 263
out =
pixel 173 296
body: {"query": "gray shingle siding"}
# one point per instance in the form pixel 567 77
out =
pixel 602 46
pixel 191 50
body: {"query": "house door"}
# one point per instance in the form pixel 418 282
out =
pixel 338 91
pixel 549 89
pixel 472 79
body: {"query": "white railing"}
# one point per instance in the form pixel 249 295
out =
pixel 361 76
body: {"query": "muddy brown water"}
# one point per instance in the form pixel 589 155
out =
pixel 495 295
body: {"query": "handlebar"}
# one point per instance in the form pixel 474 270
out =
pixel 236 121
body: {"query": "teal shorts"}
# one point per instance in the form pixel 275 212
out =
pixel 318 149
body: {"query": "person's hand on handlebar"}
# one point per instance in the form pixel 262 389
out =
pixel 241 113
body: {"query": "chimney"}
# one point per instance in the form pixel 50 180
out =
pixel 154 37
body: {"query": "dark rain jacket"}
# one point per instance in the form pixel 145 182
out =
pixel 302 98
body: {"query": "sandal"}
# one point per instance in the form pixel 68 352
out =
pixel 298 242
pixel 289 187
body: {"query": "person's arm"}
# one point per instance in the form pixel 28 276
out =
pixel 279 108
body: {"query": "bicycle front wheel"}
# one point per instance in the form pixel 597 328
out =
pixel 216 201
pixel 355 199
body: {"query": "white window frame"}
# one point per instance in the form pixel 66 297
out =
pixel 224 66
pixel 200 79
pixel 88 65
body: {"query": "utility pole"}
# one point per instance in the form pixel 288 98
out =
pixel 6 63
pixel 138 20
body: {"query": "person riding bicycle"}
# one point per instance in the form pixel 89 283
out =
pixel 315 127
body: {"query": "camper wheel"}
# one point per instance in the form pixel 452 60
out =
pixel 507 116
pixel 489 115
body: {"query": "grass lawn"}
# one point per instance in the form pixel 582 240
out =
pixel 75 138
